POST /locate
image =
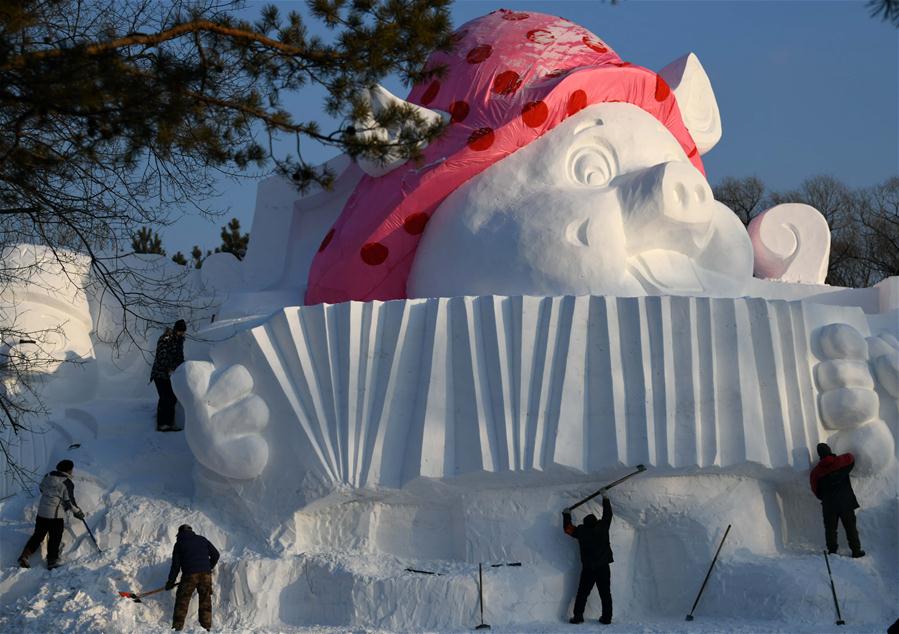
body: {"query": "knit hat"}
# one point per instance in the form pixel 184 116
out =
pixel 511 77
pixel 590 520
pixel 185 528
pixel 180 326
pixel 824 450
pixel 65 466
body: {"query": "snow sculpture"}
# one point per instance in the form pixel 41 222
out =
pixel 565 194
pixel 791 243
pixel 55 306
pixel 227 420
pixel 848 400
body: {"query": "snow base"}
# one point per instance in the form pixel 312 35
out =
pixel 342 562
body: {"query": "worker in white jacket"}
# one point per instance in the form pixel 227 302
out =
pixel 57 498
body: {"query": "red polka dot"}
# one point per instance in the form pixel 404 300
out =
pixel 506 82
pixel 662 89
pixel 511 15
pixel 326 241
pixel 415 223
pixel 430 93
pixel 458 111
pixel 534 114
pixel 577 102
pixel 373 253
pixel 480 139
pixel 693 152
pixel 540 36
pixel 479 53
pixel 595 44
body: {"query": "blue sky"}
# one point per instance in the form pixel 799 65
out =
pixel 804 87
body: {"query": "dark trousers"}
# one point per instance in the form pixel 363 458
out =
pixel 601 577
pixel 43 526
pixel 831 517
pixel 202 583
pixel 165 411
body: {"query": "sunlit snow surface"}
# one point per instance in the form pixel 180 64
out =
pixel 136 486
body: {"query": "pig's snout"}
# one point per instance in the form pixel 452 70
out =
pixel 667 206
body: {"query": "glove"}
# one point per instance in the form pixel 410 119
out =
pixel 169 584
pixel 604 492
pixel 79 515
pixel 566 511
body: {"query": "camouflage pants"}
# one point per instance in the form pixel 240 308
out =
pixel 202 583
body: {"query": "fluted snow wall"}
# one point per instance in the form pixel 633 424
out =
pixel 379 394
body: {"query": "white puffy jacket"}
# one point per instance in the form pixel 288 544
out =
pixel 57 495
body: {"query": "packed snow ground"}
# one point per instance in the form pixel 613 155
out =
pixel 137 486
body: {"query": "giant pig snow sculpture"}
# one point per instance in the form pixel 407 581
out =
pixel 564 170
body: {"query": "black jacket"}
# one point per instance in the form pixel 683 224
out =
pixel 169 355
pixel 593 539
pixel 830 483
pixel 192 553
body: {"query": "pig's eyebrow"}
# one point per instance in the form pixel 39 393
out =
pixel 588 124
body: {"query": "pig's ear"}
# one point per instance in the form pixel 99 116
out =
pixel 696 100
pixel 378 99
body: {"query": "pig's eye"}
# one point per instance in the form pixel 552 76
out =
pixel 592 166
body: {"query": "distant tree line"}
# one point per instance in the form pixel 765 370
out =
pixel 146 240
pixel 864 222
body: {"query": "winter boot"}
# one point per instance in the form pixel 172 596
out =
pixel 576 619
pixel 858 553
pixel 605 620
pixel 23 558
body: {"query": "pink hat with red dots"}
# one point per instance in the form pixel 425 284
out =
pixel 511 77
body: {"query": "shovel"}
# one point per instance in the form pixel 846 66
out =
pixel 137 597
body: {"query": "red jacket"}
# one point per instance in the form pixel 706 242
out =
pixel 830 481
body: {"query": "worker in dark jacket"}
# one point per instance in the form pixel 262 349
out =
pixel 830 484
pixel 596 555
pixel 57 498
pixel 169 355
pixel 195 557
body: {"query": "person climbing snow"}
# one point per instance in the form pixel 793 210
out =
pixel 195 557
pixel 57 498
pixel 830 484
pixel 596 555
pixel 169 355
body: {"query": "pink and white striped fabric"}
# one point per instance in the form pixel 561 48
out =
pixel 512 77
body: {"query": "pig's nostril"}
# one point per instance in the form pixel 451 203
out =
pixel 680 194
pixel 700 194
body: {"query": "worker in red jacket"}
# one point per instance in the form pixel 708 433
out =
pixel 830 484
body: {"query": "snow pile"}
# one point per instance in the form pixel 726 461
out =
pixel 344 565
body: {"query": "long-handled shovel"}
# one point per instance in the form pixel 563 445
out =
pixel 833 591
pixel 640 469
pixel 90 532
pixel 708 574
pixel 137 597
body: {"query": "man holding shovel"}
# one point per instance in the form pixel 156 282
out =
pixel 195 557
pixel 57 498
pixel 596 555
pixel 596 551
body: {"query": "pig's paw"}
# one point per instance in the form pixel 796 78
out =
pixel 847 399
pixel 224 418
pixel 883 352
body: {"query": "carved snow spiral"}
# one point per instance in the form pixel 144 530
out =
pixel 791 244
